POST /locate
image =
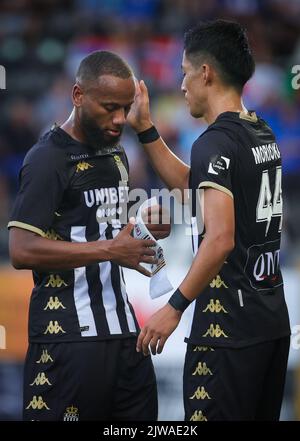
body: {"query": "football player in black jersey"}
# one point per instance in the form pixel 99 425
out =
pixel 238 345
pixel 81 362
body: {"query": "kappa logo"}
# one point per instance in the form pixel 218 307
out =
pixel 71 414
pixel 45 357
pixel 82 166
pixel 55 281
pixel 198 416
pixel 52 235
pixel 200 394
pixel 54 328
pixel 217 283
pixel 54 304
pixel 202 348
pixel 202 369
pixel 218 165
pixel 215 306
pixel 37 403
pixel 40 380
pixel 215 332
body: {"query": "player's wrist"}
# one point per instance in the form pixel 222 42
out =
pixel 148 135
pixel 107 248
pixel 142 126
pixel 178 301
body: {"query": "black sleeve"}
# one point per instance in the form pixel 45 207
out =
pixel 213 161
pixel 43 180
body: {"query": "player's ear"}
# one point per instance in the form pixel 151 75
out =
pixel 207 73
pixel 77 95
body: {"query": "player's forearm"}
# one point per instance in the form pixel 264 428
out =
pixel 171 170
pixel 42 254
pixel 206 265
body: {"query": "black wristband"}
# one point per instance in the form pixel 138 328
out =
pixel 178 301
pixel 149 135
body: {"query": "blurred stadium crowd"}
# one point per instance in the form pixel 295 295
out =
pixel 43 41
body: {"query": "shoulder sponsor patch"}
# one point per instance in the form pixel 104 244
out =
pixel 219 165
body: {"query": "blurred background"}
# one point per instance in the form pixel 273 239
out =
pixel 41 45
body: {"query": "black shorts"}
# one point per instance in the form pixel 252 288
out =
pixel 223 384
pixel 98 380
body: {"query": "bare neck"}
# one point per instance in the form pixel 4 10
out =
pixel 222 100
pixel 72 127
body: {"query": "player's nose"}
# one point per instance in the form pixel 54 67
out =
pixel 119 117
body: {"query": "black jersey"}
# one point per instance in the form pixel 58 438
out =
pixel 72 193
pixel 245 303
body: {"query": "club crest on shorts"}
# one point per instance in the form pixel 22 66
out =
pixel 71 414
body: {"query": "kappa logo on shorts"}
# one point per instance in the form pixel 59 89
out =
pixel 54 304
pixel 202 369
pixel 45 357
pixel 202 348
pixel 71 414
pixel 40 380
pixel 219 165
pixel 215 332
pixel 55 281
pixel 54 328
pixel 198 416
pixel 37 403
pixel 200 394
pixel 215 306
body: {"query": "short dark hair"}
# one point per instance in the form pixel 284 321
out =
pixel 226 45
pixel 102 63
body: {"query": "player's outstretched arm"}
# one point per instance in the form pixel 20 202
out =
pixel 215 247
pixel 172 171
pixel 31 251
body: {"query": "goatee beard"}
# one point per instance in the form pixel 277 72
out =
pixel 94 136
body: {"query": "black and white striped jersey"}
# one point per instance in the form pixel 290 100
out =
pixel 72 193
pixel 244 304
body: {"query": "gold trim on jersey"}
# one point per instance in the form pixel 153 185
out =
pixel 248 116
pixel 28 227
pixel 122 170
pixel 215 186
